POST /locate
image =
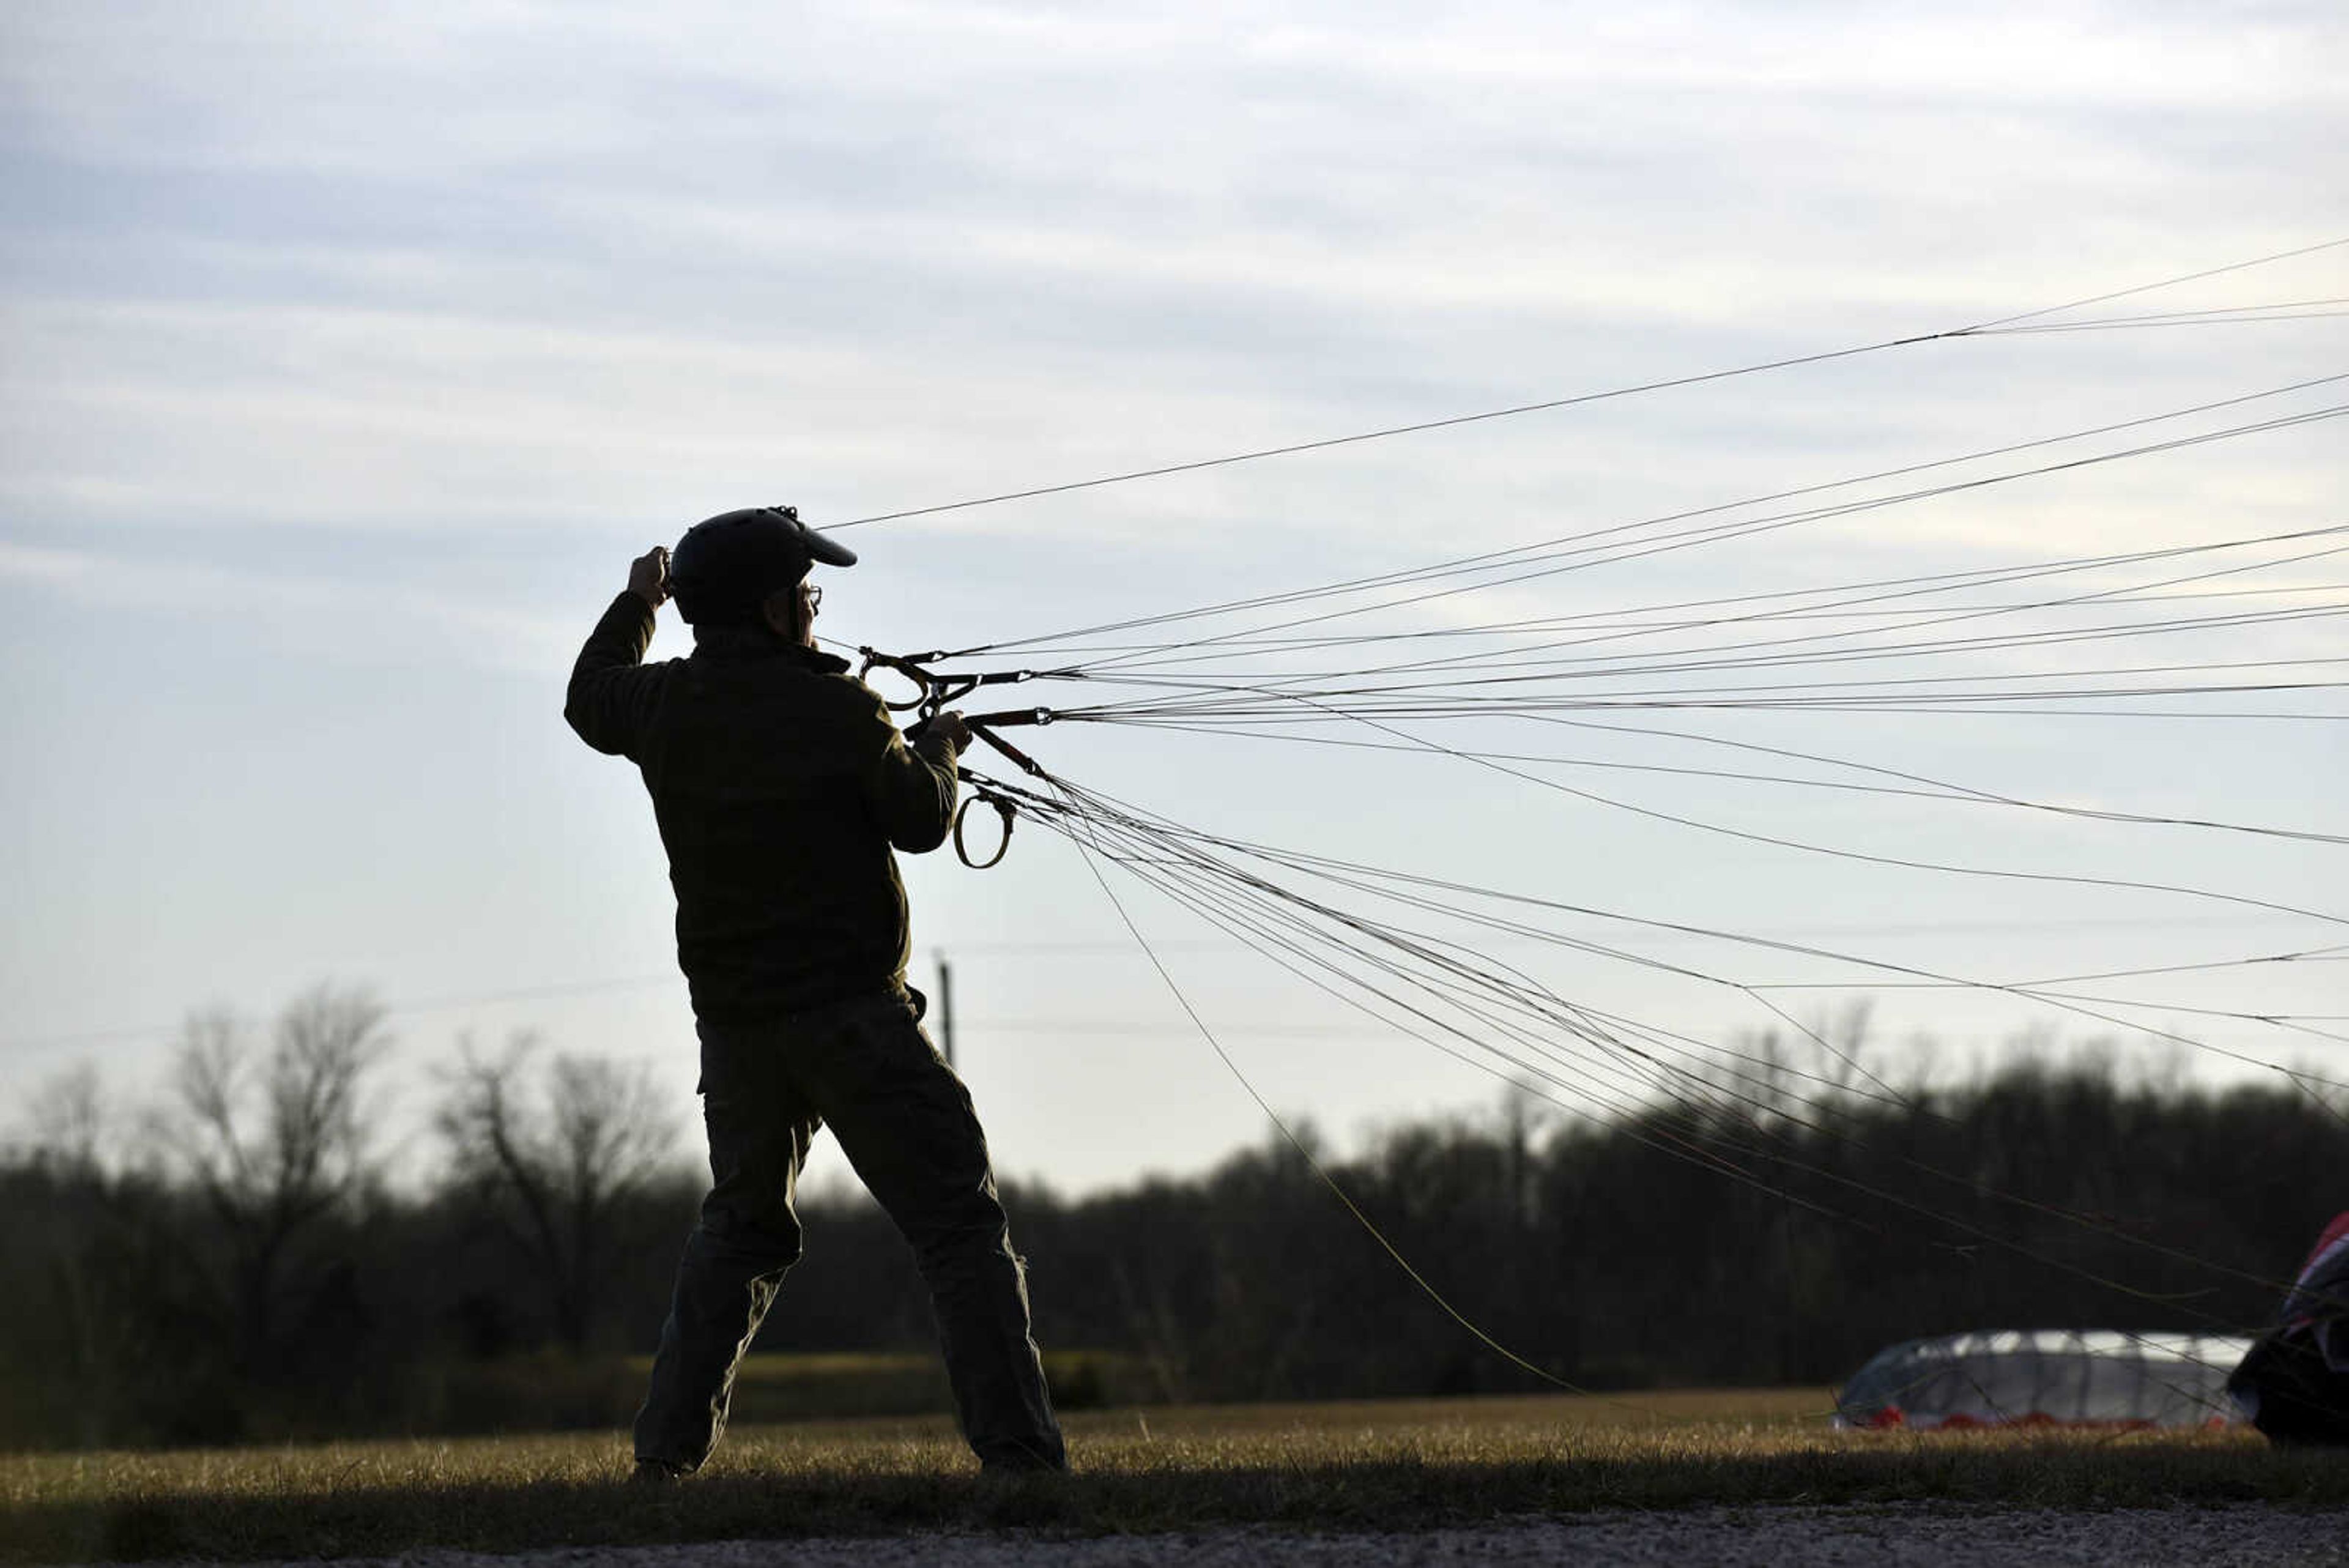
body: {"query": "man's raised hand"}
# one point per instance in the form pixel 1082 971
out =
pixel 649 575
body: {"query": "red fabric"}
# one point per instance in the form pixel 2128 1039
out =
pixel 2335 1235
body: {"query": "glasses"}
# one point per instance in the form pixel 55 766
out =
pixel 814 596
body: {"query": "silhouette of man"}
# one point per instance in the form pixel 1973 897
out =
pixel 780 788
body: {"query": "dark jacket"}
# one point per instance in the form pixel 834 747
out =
pixel 779 785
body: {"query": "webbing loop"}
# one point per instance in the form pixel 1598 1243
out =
pixel 1003 809
pixel 924 685
pixel 935 691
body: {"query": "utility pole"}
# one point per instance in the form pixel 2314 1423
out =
pixel 946 1007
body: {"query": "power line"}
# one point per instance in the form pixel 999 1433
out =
pixel 394 1010
pixel 1092 948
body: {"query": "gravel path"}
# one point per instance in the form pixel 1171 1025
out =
pixel 1893 1536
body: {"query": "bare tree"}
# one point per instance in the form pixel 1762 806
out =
pixel 273 1142
pixel 64 1124
pixel 557 1160
pixel 70 1314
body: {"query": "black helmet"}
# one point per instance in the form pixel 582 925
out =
pixel 724 568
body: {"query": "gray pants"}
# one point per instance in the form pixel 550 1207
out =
pixel 906 1125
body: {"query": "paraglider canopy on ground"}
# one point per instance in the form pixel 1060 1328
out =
pixel 2294 1384
pixel 2103 1377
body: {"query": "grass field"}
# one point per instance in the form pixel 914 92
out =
pixel 1376 1465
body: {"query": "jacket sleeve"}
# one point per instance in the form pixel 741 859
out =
pixel 611 692
pixel 910 788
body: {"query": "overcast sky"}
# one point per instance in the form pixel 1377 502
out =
pixel 351 352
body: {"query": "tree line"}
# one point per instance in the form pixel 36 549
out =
pixel 242 1267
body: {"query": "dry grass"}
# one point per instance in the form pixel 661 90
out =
pixel 1381 1464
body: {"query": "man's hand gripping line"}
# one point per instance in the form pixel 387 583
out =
pixel 933 692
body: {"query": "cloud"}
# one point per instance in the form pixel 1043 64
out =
pixel 346 614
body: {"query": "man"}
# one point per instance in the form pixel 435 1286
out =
pixel 780 788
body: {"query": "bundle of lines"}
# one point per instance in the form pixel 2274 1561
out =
pixel 2012 638
pixel 1475 662
pixel 1376 940
pixel 2003 637
pixel 1391 663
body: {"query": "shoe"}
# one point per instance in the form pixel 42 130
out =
pixel 654 1474
pixel 1004 1460
pixel 996 1472
pixel 1021 1495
